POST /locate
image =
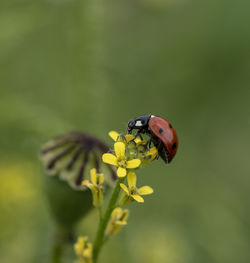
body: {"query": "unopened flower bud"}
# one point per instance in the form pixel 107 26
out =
pixel 83 250
pixel 118 219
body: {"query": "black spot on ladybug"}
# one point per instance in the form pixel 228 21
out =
pixel 174 146
pixel 160 130
pixel 170 126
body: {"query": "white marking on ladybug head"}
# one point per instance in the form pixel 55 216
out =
pixel 138 124
pixel 152 116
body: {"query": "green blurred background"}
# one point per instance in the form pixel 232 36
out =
pixel 92 65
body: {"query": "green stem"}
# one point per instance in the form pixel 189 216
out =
pixel 100 213
pixel 99 240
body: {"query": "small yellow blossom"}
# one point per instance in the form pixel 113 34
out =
pixel 83 250
pixel 114 135
pixel 120 159
pixel 132 192
pixel 140 141
pixel 118 219
pixel 119 137
pixel 126 138
pixel 150 155
pixel 95 186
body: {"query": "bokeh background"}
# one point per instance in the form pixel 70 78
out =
pixel 92 65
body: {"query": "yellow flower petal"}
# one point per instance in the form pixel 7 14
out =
pixel 114 135
pixel 93 175
pixel 124 188
pixel 121 223
pixel 133 163
pixel 139 141
pixel 109 158
pixel 85 182
pixel 152 153
pixel 129 137
pixel 138 198
pixel 145 190
pixel 87 252
pixel 92 188
pixel 79 245
pixel 131 179
pixel 125 215
pixel 117 212
pixel 121 172
pixel 119 149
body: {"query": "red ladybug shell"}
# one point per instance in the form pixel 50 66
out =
pixel 163 129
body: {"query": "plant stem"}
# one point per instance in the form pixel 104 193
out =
pixel 99 240
pixel 100 213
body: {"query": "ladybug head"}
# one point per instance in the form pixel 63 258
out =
pixel 140 123
pixel 131 126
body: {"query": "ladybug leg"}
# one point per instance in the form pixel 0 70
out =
pixel 138 134
pixel 159 147
pixel 148 145
pixel 129 131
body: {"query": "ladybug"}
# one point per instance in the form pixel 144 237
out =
pixel 161 133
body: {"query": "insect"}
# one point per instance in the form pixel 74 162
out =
pixel 160 132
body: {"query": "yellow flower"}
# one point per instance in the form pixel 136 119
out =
pixel 152 153
pixel 126 138
pixel 132 192
pixel 120 159
pixel 83 250
pixel 95 186
pixel 117 220
pixel 139 141
pixel 119 137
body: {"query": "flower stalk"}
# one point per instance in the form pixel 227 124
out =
pixel 100 236
pixel 130 153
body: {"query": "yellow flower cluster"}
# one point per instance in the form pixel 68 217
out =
pixel 96 186
pixel 132 192
pixel 130 153
pixel 83 250
pixel 118 219
pixel 120 160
